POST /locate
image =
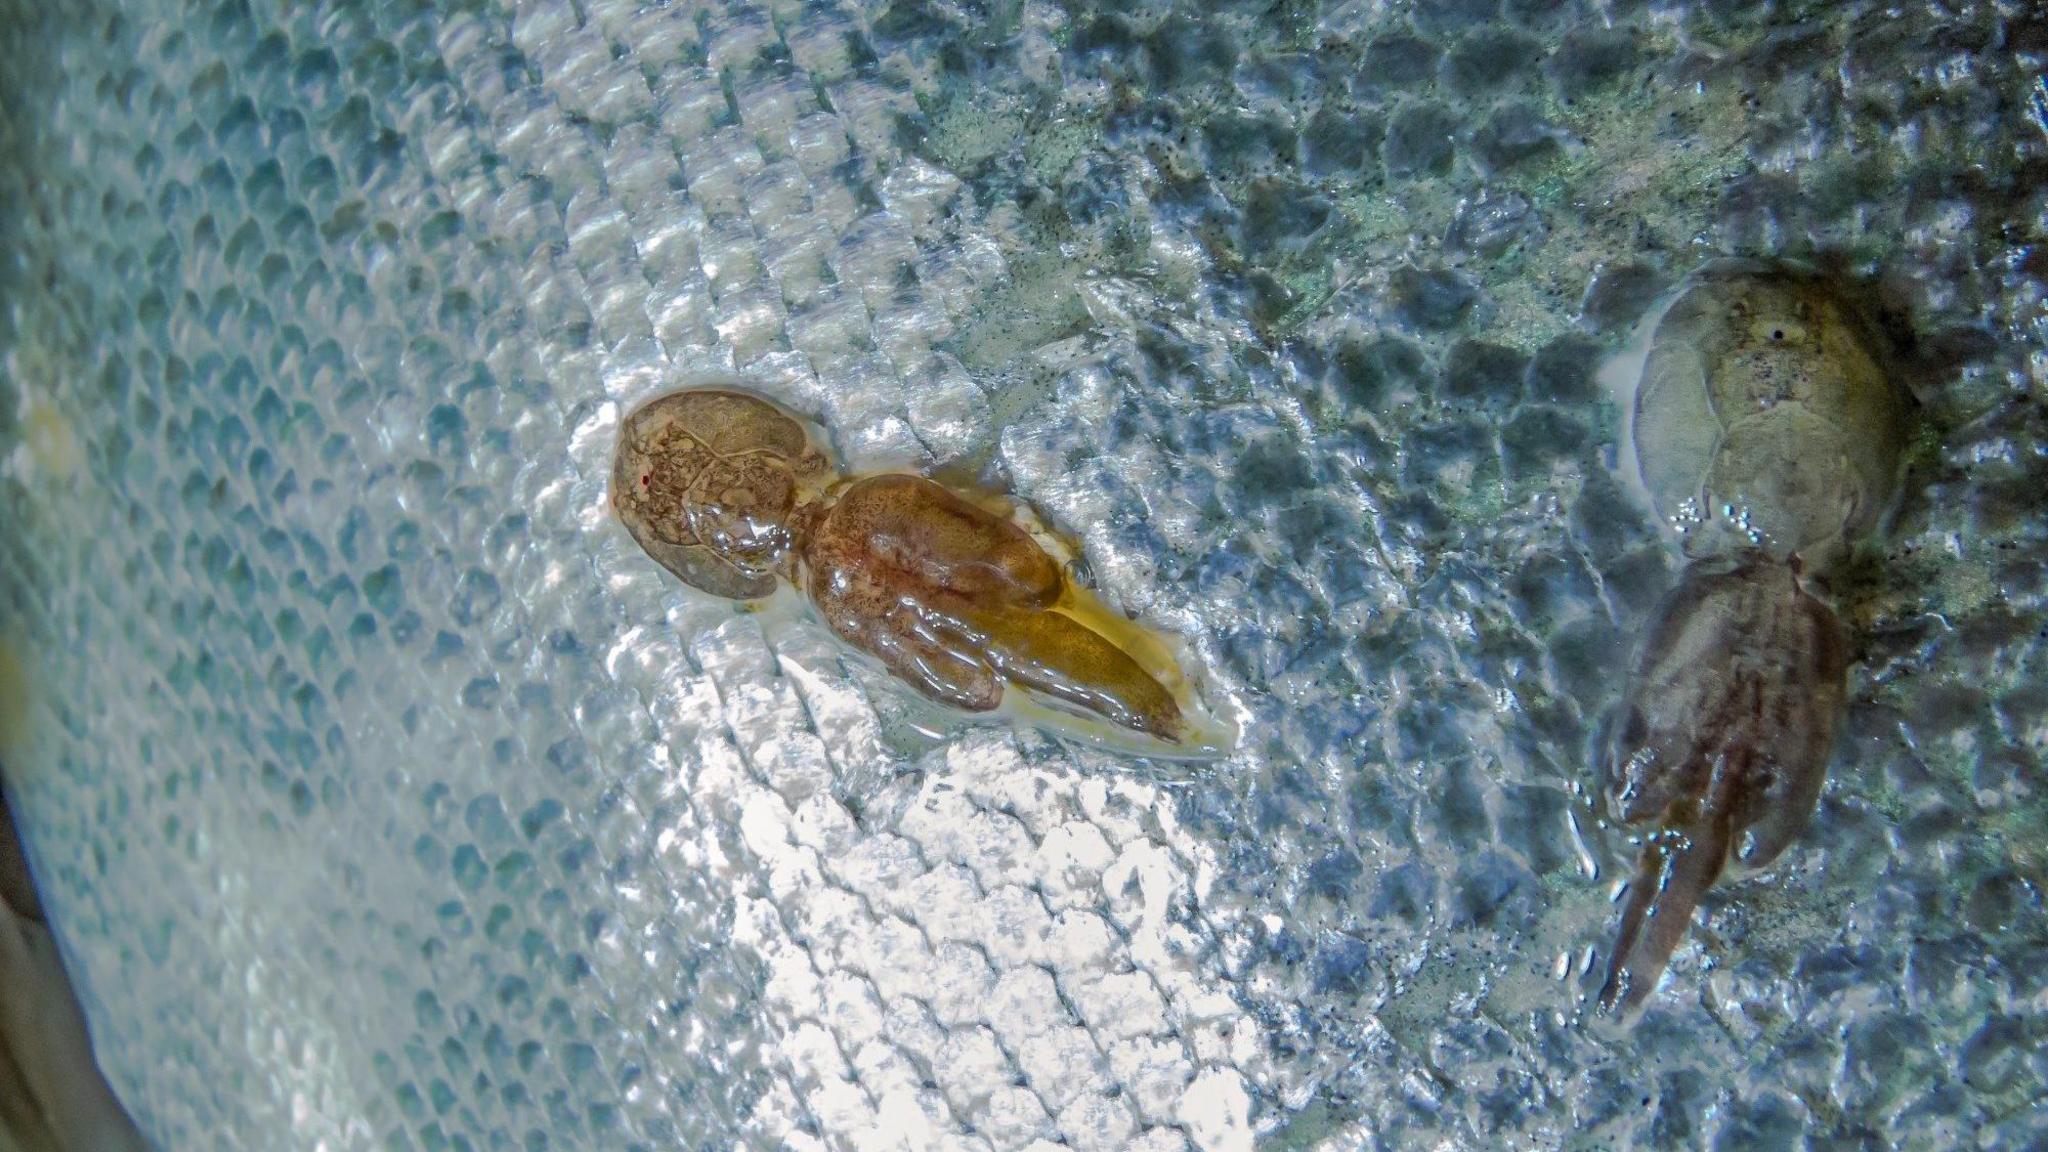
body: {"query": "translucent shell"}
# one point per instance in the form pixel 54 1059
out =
pixel 1721 746
pixel 707 481
pixel 1765 417
pixel 1768 430
pixel 952 595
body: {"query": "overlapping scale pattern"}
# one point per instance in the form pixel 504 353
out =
pixel 384 795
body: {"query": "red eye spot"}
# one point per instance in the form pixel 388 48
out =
pixel 644 479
